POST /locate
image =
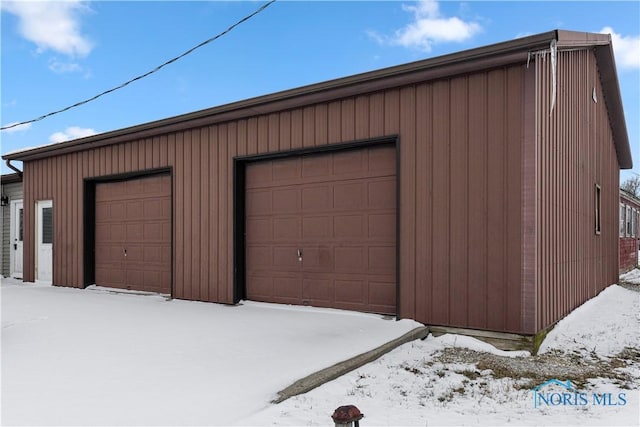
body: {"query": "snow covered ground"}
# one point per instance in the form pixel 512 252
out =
pixel 91 357
pixel 413 386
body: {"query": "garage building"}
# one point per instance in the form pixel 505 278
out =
pixel 475 190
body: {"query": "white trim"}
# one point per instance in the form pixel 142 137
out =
pixel 41 204
pixel 13 232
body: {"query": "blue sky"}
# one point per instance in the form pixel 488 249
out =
pixel 57 53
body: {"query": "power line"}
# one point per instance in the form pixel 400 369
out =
pixel 141 76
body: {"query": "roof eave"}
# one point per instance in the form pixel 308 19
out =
pixel 611 91
pixel 10 178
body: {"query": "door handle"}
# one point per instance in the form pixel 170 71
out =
pixel 125 252
pixel 15 246
pixel 299 255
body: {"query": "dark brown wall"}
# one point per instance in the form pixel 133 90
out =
pixel 575 151
pixel 460 192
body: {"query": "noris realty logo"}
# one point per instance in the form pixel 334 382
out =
pixel 547 395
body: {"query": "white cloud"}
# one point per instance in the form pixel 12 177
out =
pixel 428 28
pixel 20 128
pixel 61 67
pixel 52 25
pixel 72 132
pixel 626 49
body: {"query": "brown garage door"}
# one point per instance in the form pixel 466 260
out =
pixel 321 230
pixel 133 234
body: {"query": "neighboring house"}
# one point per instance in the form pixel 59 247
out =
pixel 475 190
pixel 12 231
pixel 629 218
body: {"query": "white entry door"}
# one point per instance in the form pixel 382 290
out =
pixel 16 233
pixel 44 242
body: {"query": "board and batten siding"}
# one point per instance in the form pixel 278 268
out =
pixel 460 184
pixel 575 151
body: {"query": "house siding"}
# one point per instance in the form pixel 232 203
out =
pixel 628 233
pixel 14 192
pixel 460 192
pixel 574 152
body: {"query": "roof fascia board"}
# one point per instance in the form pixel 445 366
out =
pixel 624 194
pixel 613 100
pixel 10 178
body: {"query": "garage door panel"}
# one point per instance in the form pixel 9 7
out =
pixel 155 231
pixel 117 232
pixel 166 207
pixel 286 200
pixel 102 211
pixel 103 233
pixel 134 231
pixel 317 199
pixel 350 259
pixel 287 287
pixel 383 160
pixel 259 257
pixel 285 258
pixel 317 290
pixel 382 194
pixel 135 278
pixel 111 275
pixel 134 216
pixel 259 202
pixel 153 254
pixel 258 175
pixel 339 210
pixel 262 287
pixel 153 187
pixel 287 228
pixel 382 227
pixel 152 209
pixel 135 254
pixel 349 162
pixel 166 230
pixel 348 227
pixel 351 291
pixel 382 259
pixel 316 166
pixel 109 253
pixel 134 210
pixel 381 293
pixel 348 196
pixel 286 169
pixel 152 278
pixel 258 229
pixel 117 211
pixel 317 258
pixel 316 228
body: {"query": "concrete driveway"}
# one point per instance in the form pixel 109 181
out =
pixel 94 357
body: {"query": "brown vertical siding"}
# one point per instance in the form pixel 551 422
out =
pixel 478 208
pixel 407 179
pixel 530 181
pixel 575 151
pixel 438 278
pixel 459 202
pixel 458 231
pixel 423 258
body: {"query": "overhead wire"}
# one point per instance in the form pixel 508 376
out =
pixel 148 73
